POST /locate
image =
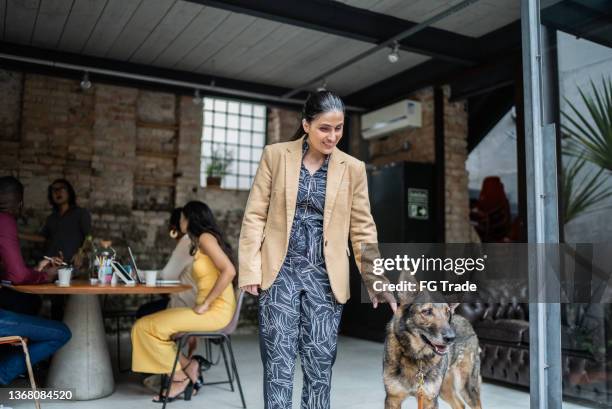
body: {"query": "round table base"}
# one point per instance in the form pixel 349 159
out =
pixel 83 364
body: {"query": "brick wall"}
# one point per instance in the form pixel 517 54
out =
pixel 413 145
pixel 282 124
pixel 11 84
pixel 113 144
pixel 458 229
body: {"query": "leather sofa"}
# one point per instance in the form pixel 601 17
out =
pixel 503 331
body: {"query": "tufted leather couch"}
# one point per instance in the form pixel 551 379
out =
pixel 503 332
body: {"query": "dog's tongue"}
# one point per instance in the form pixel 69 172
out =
pixel 441 349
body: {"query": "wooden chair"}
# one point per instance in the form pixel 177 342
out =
pixel 20 341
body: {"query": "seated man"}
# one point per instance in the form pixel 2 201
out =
pixel 14 270
pixel 44 338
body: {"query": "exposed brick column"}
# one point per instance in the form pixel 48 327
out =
pixel 56 137
pixel 456 176
pixel 11 89
pixel 189 150
pixel 282 123
pixel 114 145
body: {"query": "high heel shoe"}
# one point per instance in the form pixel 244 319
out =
pixel 199 381
pixel 198 384
pixel 186 393
pixel 205 365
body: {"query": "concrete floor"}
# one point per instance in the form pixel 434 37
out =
pixel 357 384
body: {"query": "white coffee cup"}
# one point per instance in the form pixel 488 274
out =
pixel 151 278
pixel 64 276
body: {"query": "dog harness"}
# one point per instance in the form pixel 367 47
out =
pixel 420 380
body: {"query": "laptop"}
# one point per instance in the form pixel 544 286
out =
pixel 137 275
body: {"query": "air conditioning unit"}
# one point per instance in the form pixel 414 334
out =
pixel 392 118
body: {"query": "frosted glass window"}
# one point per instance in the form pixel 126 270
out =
pixel 233 129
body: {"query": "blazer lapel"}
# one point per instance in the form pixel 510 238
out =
pixel 293 163
pixel 335 172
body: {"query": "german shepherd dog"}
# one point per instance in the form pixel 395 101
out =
pixel 433 352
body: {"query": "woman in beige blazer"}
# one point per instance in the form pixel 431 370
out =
pixel 307 200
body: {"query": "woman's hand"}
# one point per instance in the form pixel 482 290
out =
pixel 49 267
pixel 201 308
pixel 44 263
pixel 386 297
pixel 252 289
pixel 47 262
pixel 51 271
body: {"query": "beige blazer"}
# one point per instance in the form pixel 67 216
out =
pixel 268 217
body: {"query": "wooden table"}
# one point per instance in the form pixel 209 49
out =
pixel 84 363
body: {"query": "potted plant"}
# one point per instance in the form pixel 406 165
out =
pixel 220 160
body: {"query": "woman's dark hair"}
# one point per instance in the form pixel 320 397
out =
pixel 318 103
pixel 200 220
pixel 11 195
pixel 175 219
pixel 69 189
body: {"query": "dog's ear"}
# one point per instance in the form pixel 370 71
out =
pixel 402 308
pixel 453 306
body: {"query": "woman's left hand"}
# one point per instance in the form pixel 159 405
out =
pixel 201 308
pixel 386 297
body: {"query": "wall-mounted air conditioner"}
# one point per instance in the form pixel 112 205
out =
pixel 392 118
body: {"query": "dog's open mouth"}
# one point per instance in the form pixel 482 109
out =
pixel 440 349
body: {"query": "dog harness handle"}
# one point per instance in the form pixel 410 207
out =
pixel 420 375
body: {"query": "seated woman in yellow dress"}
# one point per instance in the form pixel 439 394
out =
pixel 154 350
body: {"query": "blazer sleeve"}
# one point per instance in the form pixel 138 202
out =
pixel 363 233
pixel 253 223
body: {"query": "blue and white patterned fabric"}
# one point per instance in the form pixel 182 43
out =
pixel 299 310
pixel 306 238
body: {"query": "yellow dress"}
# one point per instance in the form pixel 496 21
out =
pixel 153 351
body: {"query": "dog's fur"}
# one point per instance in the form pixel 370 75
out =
pixel 446 348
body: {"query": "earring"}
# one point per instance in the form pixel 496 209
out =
pixel 173 234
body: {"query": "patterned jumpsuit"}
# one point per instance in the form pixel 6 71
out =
pixel 299 310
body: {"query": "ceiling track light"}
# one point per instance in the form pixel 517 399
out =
pixel 322 87
pixel 85 82
pixel 197 98
pixel 393 56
